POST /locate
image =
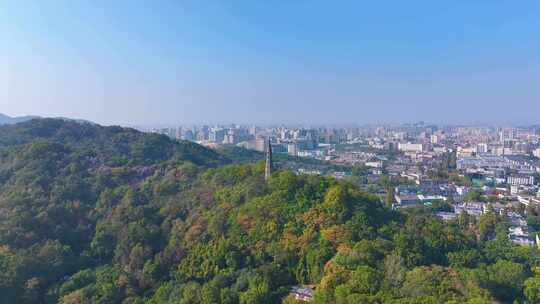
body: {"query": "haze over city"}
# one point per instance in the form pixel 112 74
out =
pixel 269 152
pixel 130 62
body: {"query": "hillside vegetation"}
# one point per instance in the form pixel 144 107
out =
pixel 92 214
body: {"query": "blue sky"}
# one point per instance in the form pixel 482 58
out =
pixel 144 62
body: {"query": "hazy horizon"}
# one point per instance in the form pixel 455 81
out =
pixel 307 62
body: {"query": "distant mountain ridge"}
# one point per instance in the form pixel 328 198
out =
pixel 112 145
pixel 5 119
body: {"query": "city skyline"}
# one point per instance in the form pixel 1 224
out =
pixel 350 62
pixel 277 124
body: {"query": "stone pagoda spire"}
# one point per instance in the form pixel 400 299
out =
pixel 268 167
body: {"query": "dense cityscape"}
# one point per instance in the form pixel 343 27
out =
pixel 461 169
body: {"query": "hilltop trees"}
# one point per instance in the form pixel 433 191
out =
pixel 90 214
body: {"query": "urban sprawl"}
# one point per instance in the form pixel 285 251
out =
pixel 461 172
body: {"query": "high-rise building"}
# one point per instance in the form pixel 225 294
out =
pixel 216 135
pixel 481 148
pixel 188 135
pixel 260 144
pixel 536 153
pixel 507 134
pixel 292 149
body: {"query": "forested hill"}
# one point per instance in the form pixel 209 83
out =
pixel 110 145
pixel 54 177
pixel 92 214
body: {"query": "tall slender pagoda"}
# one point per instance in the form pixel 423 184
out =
pixel 268 167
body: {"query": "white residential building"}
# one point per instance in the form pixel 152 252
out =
pixel 409 147
pixel 520 180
